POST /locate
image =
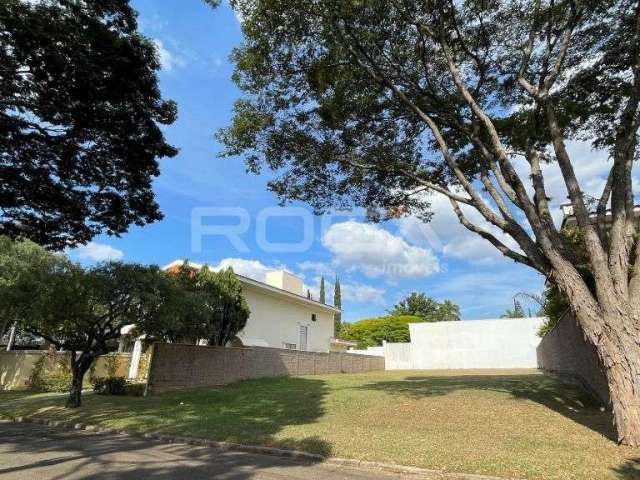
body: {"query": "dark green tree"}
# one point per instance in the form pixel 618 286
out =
pixel 372 103
pixel 430 310
pixel 80 110
pixel 322 293
pixel 225 306
pixel 337 302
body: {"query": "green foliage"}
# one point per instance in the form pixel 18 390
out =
pixel 337 302
pixel 372 331
pixel 50 374
pixel 318 107
pixel 322 292
pixel 110 386
pixel 112 365
pixel 210 305
pixel 80 116
pixel 428 309
pixel 80 310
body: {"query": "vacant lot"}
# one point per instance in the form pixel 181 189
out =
pixel 514 424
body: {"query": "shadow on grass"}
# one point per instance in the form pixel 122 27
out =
pixel 567 399
pixel 251 412
pixel 629 470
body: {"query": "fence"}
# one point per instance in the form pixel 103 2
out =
pixel 565 350
pixel 17 366
pixel 177 366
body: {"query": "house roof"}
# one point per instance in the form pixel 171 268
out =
pixel 569 219
pixel 266 288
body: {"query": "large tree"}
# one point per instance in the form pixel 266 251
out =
pixel 375 102
pixel 80 110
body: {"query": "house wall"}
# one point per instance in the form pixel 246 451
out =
pixel 275 321
pixel 178 366
pixel 500 343
pixel 565 350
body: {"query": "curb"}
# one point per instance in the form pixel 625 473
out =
pixel 272 451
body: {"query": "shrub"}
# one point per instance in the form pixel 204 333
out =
pixel 372 331
pixel 135 389
pixel 110 386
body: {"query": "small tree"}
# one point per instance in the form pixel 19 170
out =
pixel 322 293
pixel 430 310
pixel 372 331
pixel 337 302
pixel 76 309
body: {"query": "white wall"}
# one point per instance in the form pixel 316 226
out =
pixel 500 343
pixel 275 320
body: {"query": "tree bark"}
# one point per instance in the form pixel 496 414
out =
pixel 617 343
pixel 78 369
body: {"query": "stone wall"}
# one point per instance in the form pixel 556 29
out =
pixel 177 366
pixel 565 350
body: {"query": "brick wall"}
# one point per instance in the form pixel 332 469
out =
pixel 565 350
pixel 177 366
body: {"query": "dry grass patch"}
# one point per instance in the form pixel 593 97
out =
pixel 508 423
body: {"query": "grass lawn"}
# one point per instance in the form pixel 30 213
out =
pixel 515 424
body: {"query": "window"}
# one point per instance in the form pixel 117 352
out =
pixel 303 337
pixel 289 346
pixel 313 317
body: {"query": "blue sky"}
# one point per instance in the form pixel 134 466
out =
pixel 377 264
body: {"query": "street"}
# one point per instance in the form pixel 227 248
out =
pixel 29 451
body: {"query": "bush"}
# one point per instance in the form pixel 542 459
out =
pixel 110 386
pixel 135 389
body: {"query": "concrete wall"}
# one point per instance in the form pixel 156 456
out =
pixel 275 321
pixel 565 350
pixel 500 343
pixel 397 356
pixel 177 366
pixel 16 366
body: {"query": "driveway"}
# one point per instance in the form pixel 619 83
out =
pixel 29 451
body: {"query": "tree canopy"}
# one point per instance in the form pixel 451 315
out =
pixel 80 110
pixel 428 309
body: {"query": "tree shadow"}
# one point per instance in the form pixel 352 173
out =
pixel 251 413
pixel 570 400
pixel 43 452
pixel 629 470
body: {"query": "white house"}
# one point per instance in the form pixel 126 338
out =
pixel 281 316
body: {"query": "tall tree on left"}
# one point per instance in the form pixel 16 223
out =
pixel 80 110
pixel 79 310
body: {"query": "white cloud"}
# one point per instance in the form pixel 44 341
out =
pixel 168 60
pixel 97 252
pixel 318 267
pixel 247 268
pixel 375 252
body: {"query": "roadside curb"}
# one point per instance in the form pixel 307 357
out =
pixel 277 452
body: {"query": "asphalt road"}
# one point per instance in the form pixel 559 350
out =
pixel 29 451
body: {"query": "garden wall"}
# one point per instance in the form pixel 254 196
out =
pixel 177 366
pixel 16 366
pixel 565 350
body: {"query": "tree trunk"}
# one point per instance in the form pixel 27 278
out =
pixel 618 347
pixel 78 368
